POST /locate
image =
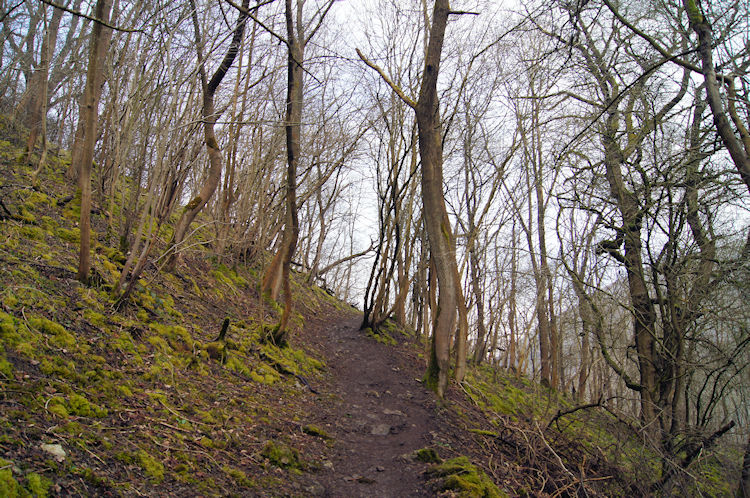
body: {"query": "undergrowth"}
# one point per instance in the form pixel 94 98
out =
pixel 145 391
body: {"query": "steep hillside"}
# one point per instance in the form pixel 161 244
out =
pixel 149 399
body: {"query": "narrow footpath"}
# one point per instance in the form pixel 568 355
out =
pixel 378 413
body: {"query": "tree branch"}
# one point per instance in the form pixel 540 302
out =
pixel 410 102
pixel 90 18
pixel 345 259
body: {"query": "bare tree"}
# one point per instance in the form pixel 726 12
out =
pixel 100 37
pixel 196 204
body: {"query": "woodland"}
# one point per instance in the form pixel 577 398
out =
pixel 540 211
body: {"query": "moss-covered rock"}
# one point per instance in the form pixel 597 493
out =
pixel 461 476
pixel 428 455
pixel 281 455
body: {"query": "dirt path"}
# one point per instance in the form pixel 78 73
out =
pixel 378 412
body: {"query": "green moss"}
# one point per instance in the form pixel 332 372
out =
pixel 91 477
pixel 62 338
pixel 123 342
pixel 81 406
pixel 57 407
pixel 70 428
pixel 428 455
pixel 236 365
pixel 72 235
pixel 58 367
pixel 72 210
pixel 483 432
pixel 6 369
pixel 49 224
pixel 34 199
pixel 9 488
pixel 151 467
pixel 238 476
pixel 25 215
pixel 314 430
pixel 33 232
pixel 38 485
pixel 178 337
pixel 265 375
pixel 94 318
pixel 382 337
pixel 114 255
pixel 463 477
pixel 194 203
pixel 160 344
pixel 281 455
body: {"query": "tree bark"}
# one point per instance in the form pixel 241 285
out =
pixel 743 491
pixel 100 37
pixel 740 154
pixel 439 232
pixel 278 271
pixel 37 95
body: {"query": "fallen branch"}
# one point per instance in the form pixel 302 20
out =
pixel 561 414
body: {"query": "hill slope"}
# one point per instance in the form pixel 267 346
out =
pixel 145 400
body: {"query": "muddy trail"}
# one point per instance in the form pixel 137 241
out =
pixel 378 412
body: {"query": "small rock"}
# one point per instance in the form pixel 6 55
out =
pixel 381 430
pixel 56 450
pixel 315 489
pixel 388 411
pixel 380 468
pixel 328 465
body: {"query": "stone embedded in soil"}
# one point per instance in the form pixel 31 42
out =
pixel 56 450
pixel 380 430
pixel 388 411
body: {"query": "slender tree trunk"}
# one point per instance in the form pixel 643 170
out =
pixel 37 94
pixel 739 149
pixel 743 491
pixel 439 232
pixel 512 346
pixel 196 204
pixel 100 36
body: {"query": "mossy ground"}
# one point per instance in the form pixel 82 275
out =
pixel 142 399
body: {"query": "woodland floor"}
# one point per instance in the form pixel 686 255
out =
pixel 145 400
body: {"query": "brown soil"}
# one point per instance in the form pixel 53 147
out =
pixel 377 411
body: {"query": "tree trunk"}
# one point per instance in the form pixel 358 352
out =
pixel 37 94
pixel 439 232
pixel 100 36
pixel 743 491
pixel 644 314
pixel 739 150
pixel 196 204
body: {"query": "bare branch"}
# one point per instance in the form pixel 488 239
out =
pixel 90 18
pixel 410 102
